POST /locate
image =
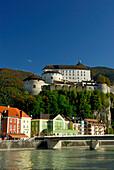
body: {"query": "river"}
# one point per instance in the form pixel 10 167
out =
pixel 65 158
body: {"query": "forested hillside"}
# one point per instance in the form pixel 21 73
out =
pixel 11 83
pixel 105 71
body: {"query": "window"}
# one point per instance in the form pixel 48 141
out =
pixel 24 126
pixel 18 127
pixel 69 77
pixel 23 121
pixel 27 126
pixel 14 121
pixel 36 123
pixel 32 123
pixel 34 86
pixel 11 120
pixel 51 77
pixel 27 121
pixel 14 126
pixel 10 126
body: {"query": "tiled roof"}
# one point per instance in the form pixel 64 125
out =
pixel 78 66
pixel 13 112
pixel 51 72
pixel 34 77
pixel 92 120
pixel 24 114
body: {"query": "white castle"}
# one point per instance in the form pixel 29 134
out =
pixel 57 77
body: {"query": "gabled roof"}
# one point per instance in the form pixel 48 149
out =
pixel 78 66
pixel 13 112
pixel 33 77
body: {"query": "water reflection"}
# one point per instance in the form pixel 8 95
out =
pixel 57 159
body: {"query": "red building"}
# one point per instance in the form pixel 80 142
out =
pixel 10 121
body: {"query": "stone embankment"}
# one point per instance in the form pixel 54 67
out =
pixel 18 145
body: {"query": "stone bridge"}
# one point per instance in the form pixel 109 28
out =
pixel 54 142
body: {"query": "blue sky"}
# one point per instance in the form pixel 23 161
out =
pixel 34 33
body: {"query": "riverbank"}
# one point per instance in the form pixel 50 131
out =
pixel 31 145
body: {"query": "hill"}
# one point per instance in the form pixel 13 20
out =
pixel 13 78
pixel 11 83
pixel 105 71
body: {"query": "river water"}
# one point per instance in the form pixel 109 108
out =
pixel 65 158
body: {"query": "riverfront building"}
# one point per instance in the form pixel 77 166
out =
pixel 51 125
pixel 94 127
pixel 15 123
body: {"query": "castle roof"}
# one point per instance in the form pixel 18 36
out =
pixel 33 77
pixel 78 66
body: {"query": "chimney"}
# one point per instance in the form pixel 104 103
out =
pixel 20 113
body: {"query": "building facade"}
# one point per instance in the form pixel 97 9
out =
pixel 12 122
pixel 94 127
pixel 72 73
pixel 52 125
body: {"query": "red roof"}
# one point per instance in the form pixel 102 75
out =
pixel 92 120
pixel 18 136
pixel 13 112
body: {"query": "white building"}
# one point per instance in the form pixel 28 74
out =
pixel 72 73
pixel 50 76
pixel 25 124
pixel 33 84
pixel 94 127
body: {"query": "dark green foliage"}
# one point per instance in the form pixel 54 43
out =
pixel 69 103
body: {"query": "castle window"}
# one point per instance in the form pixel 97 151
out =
pixel 34 86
